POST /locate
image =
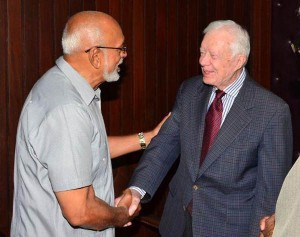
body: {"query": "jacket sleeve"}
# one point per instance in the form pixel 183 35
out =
pixel 160 154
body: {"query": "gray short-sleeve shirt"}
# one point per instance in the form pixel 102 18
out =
pixel 61 145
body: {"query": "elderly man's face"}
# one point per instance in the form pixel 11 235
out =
pixel 112 59
pixel 114 75
pixel 219 68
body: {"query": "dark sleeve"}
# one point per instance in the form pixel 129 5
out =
pixel 160 155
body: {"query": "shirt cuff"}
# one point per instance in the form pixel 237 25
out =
pixel 139 190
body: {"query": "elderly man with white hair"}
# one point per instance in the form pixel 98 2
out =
pixel 234 142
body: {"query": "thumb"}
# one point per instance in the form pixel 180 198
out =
pixel 134 205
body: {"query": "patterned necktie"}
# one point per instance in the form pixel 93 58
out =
pixel 212 123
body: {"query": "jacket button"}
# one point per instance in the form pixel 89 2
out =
pixel 195 187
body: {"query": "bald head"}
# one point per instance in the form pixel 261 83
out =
pixel 88 29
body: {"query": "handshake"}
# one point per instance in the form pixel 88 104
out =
pixel 130 201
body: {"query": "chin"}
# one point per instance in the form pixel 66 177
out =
pixel 208 81
pixel 111 77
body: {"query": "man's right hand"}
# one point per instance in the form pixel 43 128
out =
pixel 130 199
pixel 132 203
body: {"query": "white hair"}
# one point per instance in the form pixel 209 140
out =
pixel 241 43
pixel 72 38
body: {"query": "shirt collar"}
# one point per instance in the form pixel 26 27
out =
pixel 234 88
pixel 85 90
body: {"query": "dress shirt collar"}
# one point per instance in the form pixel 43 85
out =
pixel 82 86
pixel 234 88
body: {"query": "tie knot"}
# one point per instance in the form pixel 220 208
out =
pixel 219 94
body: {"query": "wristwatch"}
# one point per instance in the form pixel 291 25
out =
pixel 142 140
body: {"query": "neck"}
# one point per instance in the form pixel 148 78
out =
pixel 85 69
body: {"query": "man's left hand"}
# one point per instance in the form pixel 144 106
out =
pixel 267 225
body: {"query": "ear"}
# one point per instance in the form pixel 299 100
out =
pixel 241 61
pixel 95 57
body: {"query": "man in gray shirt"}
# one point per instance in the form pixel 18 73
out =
pixel 63 176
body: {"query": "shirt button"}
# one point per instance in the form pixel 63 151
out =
pixel 195 187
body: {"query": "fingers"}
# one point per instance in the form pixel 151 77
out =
pixel 262 223
pixel 128 224
pixel 270 224
pixel 125 200
pixel 126 195
pixel 267 226
pixel 272 219
pixel 166 117
pixel 131 200
pixel 135 206
pixel 157 128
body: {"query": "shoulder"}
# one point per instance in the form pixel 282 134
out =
pixel 193 84
pixel 53 96
pixel 55 89
pixel 193 81
pixel 261 95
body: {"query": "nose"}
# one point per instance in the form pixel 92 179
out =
pixel 203 59
pixel 123 53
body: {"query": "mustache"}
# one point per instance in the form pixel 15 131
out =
pixel 119 63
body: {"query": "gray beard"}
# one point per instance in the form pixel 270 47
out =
pixel 114 75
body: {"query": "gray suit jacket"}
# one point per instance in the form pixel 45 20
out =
pixel 240 179
pixel 287 213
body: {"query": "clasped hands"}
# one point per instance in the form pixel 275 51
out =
pixel 131 200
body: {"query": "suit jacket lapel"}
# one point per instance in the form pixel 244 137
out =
pixel 198 112
pixel 236 120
